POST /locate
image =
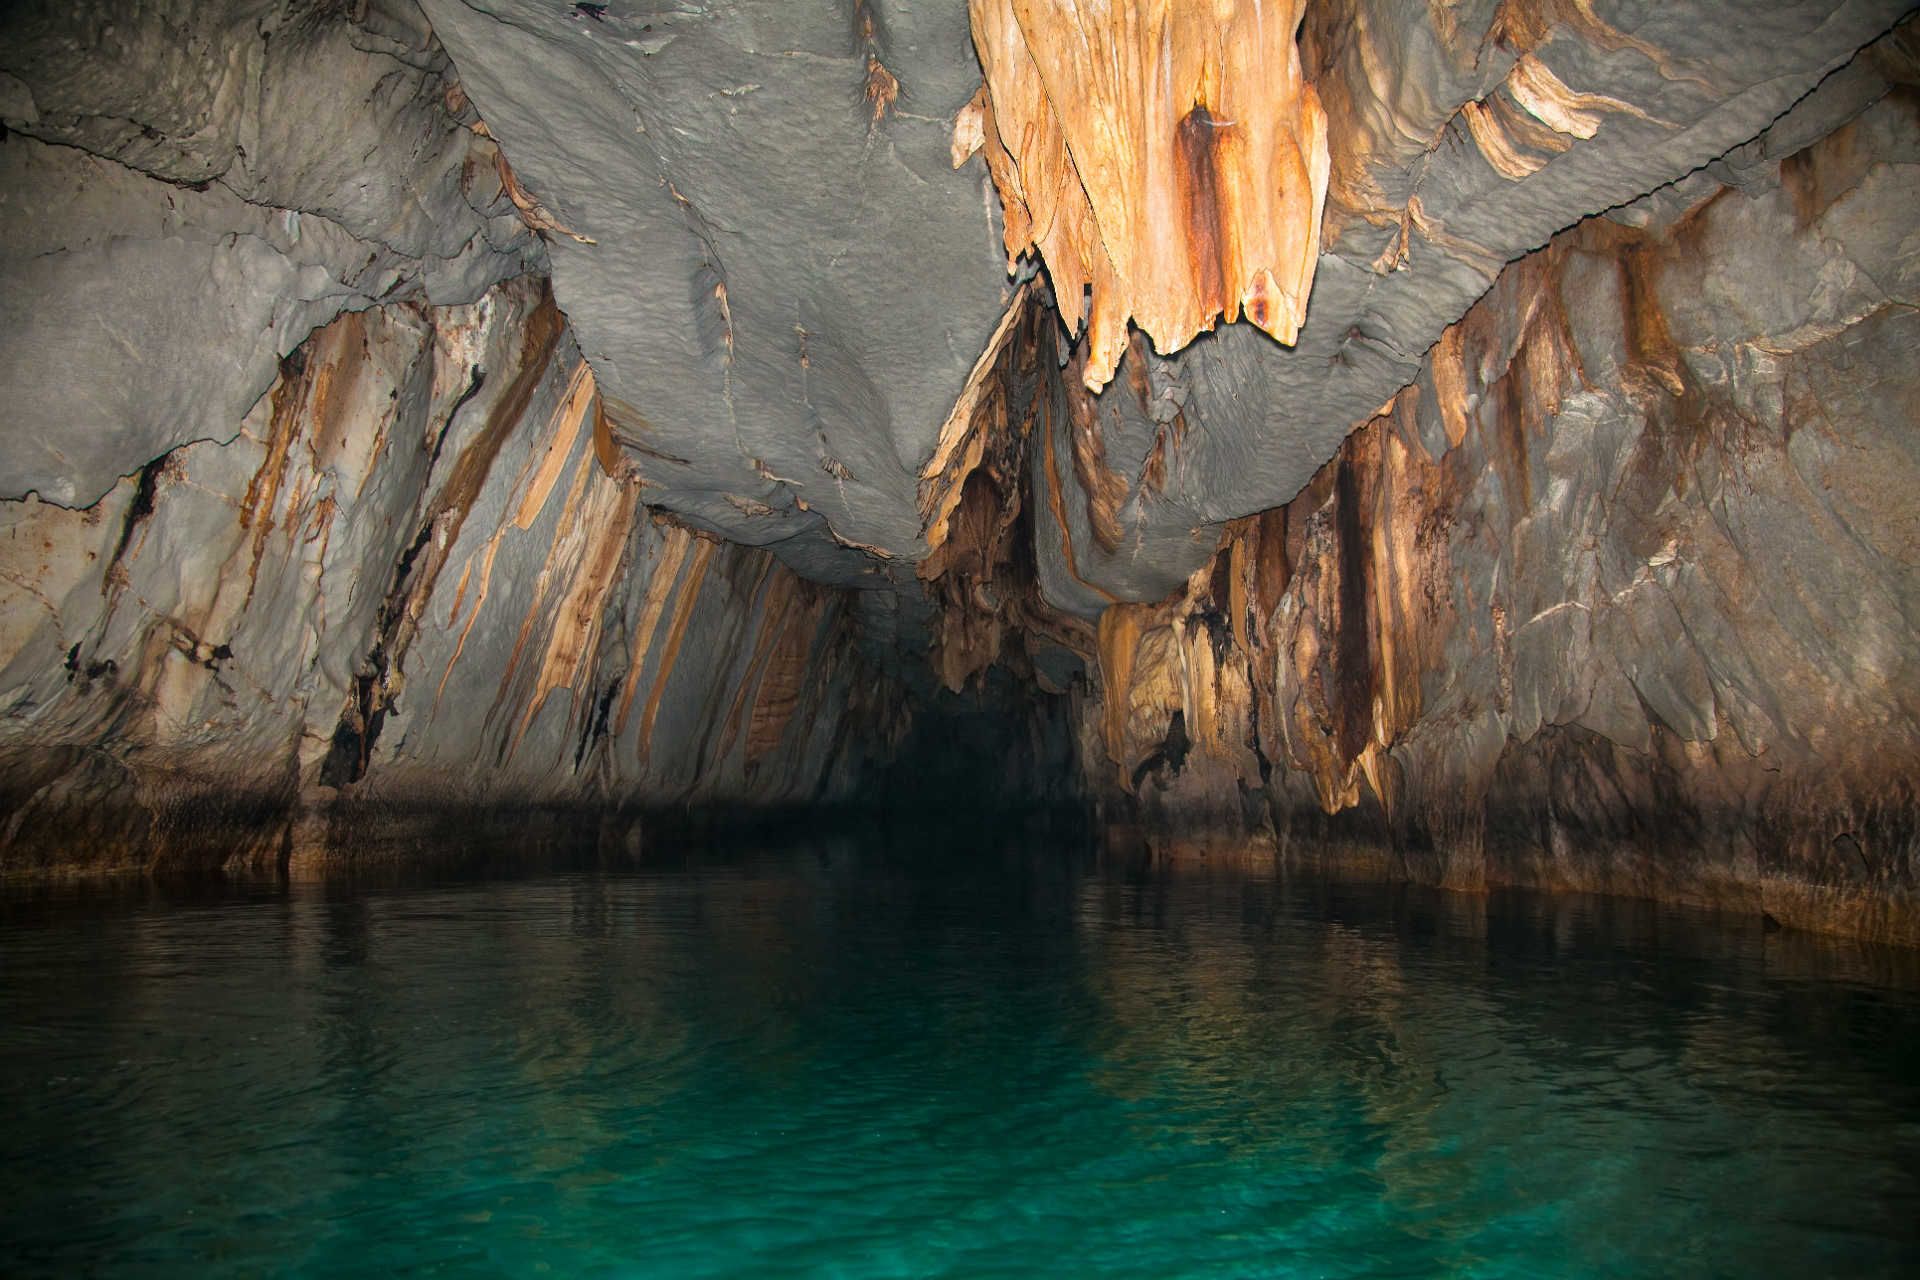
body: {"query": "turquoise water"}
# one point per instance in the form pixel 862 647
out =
pixel 847 1060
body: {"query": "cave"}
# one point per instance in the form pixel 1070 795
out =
pixel 960 637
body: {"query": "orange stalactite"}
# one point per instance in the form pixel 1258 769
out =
pixel 1168 155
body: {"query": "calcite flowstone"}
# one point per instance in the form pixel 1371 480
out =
pixel 1169 159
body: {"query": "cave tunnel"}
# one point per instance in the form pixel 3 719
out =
pixel 960 637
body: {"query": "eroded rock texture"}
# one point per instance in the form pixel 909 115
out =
pixel 788 283
pixel 1621 594
pixel 1420 220
pixel 421 577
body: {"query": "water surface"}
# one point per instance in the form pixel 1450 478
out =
pixel 859 1058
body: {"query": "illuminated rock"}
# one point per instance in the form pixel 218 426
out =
pixel 1167 156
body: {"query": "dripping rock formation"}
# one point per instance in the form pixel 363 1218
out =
pixel 1470 443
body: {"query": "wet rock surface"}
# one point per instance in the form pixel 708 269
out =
pixel 788 283
pixel 191 189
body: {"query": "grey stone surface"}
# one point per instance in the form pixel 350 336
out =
pixel 187 190
pixel 1633 609
pixel 1267 417
pixel 784 290
pixel 788 292
pixel 307 506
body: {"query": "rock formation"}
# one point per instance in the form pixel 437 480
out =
pixel 1618 595
pixel 1166 158
pixel 1470 442
pixel 422 576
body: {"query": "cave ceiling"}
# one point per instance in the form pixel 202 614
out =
pixel 754 221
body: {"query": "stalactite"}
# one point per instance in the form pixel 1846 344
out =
pixel 974 496
pixel 1168 156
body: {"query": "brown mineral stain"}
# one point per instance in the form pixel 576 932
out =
pixel 291 399
pixel 1511 415
pixel 1522 26
pixel 1450 384
pixel 1509 159
pixel 977 492
pixel 605 448
pixel 468 475
pixel 585 561
pixel 770 596
pixel 684 602
pixel 1121 626
pixel 1649 343
pixel 1272 561
pixel 1527 130
pixel 563 428
pixel 882 88
pixel 532 212
pixel 1197 140
pixel 978 415
pixel 1352 696
pixel 332 406
pixel 1105 490
pixel 1238 572
pixel 784 678
pixel 1057 504
pixel 662 577
pixel 539 339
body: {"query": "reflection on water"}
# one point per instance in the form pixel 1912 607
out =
pixel 867 1059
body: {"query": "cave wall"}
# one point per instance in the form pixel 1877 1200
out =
pixel 188 190
pixel 1461 137
pixel 1620 594
pixel 316 519
pixel 349 470
pixel 421 579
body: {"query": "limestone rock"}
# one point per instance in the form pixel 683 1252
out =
pixel 187 191
pixel 1620 594
pixel 787 288
pixel 601 407
pixel 419 577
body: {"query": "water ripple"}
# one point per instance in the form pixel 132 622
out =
pixel 790 1065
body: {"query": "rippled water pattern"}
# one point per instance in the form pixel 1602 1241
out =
pixel 839 1061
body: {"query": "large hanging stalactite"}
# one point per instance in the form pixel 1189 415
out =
pixel 1170 157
